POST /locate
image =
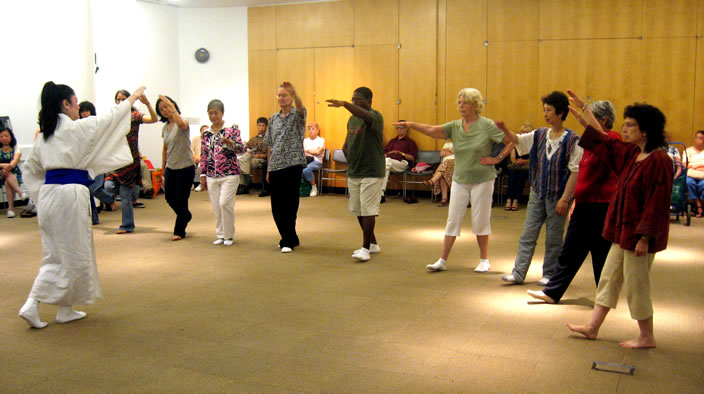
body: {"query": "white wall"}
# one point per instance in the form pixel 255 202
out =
pixel 42 40
pixel 223 32
pixel 136 44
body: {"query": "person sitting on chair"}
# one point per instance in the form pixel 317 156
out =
pixel 399 152
pixel 255 157
pixel 442 178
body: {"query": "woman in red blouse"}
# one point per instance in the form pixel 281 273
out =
pixel 637 222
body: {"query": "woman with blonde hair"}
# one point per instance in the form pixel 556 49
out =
pixel 473 180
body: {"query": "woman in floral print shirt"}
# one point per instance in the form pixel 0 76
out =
pixel 220 171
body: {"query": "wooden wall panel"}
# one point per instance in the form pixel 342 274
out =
pixel 315 24
pixel 298 67
pixel 668 81
pixel 511 80
pixel 417 64
pixel 440 109
pixel 466 53
pixel 698 109
pixel 665 18
pixel 261 27
pixel 569 19
pixel 513 20
pixel 376 67
pixel 375 22
pixel 334 68
pixel 563 65
pixel 700 18
pixel 262 87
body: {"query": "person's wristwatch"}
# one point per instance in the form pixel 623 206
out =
pixel 501 156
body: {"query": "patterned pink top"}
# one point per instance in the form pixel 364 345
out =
pixel 218 159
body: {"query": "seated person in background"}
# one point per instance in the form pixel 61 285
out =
pixel 314 148
pixel 10 174
pixel 195 149
pixel 442 178
pixel 517 173
pixel 674 154
pixel 399 151
pixel 695 173
pixel 255 157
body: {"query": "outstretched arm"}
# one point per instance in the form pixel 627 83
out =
pixel 429 130
pixel 509 136
pixel 152 118
pixel 354 109
pixel 586 118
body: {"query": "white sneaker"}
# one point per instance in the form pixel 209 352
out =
pixel 228 242
pixel 314 191
pixel 24 196
pixel 483 267
pixel 11 214
pixel 362 254
pixel 286 249
pixel 437 266
pixel 219 241
pixel 373 249
pixel 199 188
pixel 543 281
pixel 508 278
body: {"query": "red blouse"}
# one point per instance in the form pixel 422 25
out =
pixel 641 205
pixel 596 181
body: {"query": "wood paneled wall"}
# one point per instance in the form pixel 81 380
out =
pixel 416 55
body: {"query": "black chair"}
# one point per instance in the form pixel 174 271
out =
pixel 333 174
pixel 432 157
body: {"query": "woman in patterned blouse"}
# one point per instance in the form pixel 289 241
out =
pixel 220 171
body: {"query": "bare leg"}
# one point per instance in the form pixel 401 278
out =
pixel 367 223
pixel 646 339
pixel 444 188
pixel 447 246
pixel 483 242
pixel 591 329
pixel 10 193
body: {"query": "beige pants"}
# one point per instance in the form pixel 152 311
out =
pixel 622 267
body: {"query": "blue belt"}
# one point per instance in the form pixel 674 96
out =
pixel 65 176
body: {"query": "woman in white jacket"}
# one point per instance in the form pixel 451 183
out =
pixel 57 173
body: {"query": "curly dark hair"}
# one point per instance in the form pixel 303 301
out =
pixel 558 100
pixel 651 121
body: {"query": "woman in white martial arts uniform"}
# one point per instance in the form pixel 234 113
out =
pixel 57 173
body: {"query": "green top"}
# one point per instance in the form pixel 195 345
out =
pixel 365 147
pixel 470 147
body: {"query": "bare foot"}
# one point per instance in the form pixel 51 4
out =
pixel 121 232
pixel 585 330
pixel 639 343
pixel 541 296
pixel 176 238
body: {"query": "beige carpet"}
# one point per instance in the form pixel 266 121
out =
pixel 190 316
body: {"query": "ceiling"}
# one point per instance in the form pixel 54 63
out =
pixel 223 3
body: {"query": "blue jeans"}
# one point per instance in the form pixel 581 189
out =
pixel 98 191
pixel 128 194
pixel 695 188
pixel 310 168
pixel 539 211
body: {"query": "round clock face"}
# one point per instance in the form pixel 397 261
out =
pixel 202 55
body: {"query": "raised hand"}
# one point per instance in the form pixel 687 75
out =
pixel 335 103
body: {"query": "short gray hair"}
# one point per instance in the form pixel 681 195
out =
pixel 216 104
pixel 472 96
pixel 604 110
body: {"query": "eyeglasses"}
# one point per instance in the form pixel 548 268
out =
pixel 399 127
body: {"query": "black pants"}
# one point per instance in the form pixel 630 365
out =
pixel 583 236
pixel 265 185
pixel 284 185
pixel 178 189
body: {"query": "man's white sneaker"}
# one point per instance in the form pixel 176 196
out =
pixel 508 278
pixel 373 249
pixel 286 249
pixel 11 214
pixel 437 266
pixel 483 267
pixel 228 242
pixel 199 188
pixel 543 281
pixel 24 196
pixel 218 241
pixel 313 191
pixel 362 254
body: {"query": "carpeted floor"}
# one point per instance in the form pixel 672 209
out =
pixel 190 316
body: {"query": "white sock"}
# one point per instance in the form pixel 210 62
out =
pixel 67 314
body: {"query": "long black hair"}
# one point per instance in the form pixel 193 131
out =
pixel 53 96
pixel 13 140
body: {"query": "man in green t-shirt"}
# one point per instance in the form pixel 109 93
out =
pixel 364 150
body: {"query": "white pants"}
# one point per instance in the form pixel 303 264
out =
pixel 395 166
pixel 222 197
pixel 480 195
